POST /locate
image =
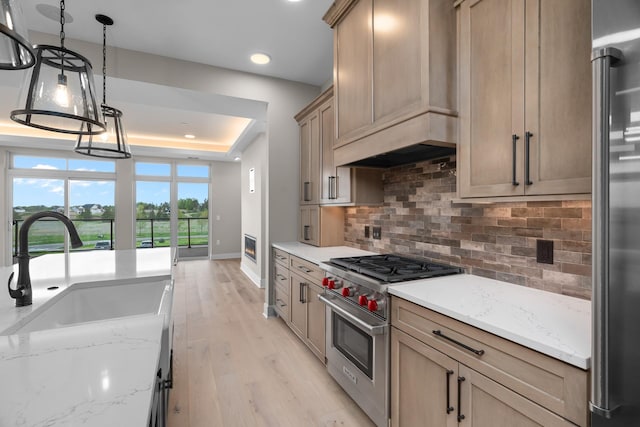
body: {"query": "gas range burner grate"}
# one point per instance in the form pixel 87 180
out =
pixel 394 268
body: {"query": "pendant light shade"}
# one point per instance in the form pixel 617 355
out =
pixel 112 143
pixel 16 52
pixel 58 93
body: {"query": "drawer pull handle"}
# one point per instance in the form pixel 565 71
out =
pixel 280 276
pixel 282 304
pixel 439 333
pixel 281 257
pixel 460 415
pixel 305 269
pixel 449 407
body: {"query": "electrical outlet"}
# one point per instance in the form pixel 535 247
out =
pixel 377 233
pixel 544 251
pixel 366 231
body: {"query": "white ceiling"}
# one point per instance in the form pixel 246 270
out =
pixel 221 33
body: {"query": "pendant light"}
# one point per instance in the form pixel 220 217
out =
pixel 58 92
pixel 112 143
pixel 16 53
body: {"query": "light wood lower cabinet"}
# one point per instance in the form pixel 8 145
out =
pixel 296 289
pixel 437 381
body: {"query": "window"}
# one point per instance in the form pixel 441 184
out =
pixel 172 204
pixel 83 190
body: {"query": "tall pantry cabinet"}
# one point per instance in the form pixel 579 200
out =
pixel 525 97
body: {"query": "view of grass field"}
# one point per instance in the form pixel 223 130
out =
pixel 47 236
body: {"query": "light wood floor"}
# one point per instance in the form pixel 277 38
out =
pixel 233 367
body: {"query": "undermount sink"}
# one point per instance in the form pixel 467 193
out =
pixel 96 301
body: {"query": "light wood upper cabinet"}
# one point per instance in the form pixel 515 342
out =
pixel 310 160
pixel 321 181
pixel 525 97
pixel 353 42
pixel 394 75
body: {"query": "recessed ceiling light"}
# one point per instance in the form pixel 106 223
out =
pixel 189 136
pixel 237 158
pixel 294 1
pixel 260 58
pixel 53 13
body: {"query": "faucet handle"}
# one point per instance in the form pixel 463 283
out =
pixel 14 293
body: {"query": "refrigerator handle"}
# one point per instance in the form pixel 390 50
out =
pixel 601 402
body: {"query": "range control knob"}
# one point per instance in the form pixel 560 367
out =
pixel 375 305
pixel 325 281
pixel 335 284
pixel 362 300
pixel 347 292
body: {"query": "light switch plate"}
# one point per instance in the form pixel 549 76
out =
pixel 377 233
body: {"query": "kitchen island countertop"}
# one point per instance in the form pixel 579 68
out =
pixel 100 373
pixel 556 325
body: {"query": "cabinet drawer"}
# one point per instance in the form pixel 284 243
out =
pixel 282 303
pixel 281 257
pixel 553 384
pixel 281 278
pixel 306 268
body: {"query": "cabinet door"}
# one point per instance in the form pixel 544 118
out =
pixel 298 306
pixel 310 160
pixel 491 59
pixel 336 182
pixel 315 320
pixel 421 377
pixel 309 224
pixel 352 68
pixel 558 95
pixel 397 39
pixel 485 403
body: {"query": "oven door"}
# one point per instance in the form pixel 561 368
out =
pixel 357 351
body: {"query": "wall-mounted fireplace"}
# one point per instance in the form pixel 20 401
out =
pixel 250 247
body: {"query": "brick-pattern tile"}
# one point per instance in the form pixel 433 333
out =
pixel 419 218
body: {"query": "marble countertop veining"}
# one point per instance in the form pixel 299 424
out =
pixel 317 254
pixel 556 325
pixel 99 373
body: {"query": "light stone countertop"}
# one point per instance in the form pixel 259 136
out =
pixel 316 254
pixel 556 325
pixel 99 373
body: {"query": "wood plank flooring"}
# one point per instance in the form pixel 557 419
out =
pixel 233 367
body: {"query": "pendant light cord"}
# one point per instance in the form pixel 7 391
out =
pixel 62 35
pixel 104 64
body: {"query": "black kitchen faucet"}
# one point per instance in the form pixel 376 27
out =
pixel 23 294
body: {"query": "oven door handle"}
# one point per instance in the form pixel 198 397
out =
pixel 370 329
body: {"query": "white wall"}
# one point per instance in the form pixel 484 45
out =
pixel 225 206
pixel 253 208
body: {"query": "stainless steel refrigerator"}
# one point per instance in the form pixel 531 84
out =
pixel 615 362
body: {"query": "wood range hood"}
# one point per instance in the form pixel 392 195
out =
pixel 394 81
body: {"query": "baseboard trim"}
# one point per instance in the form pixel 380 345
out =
pixel 226 256
pixel 269 311
pixel 252 276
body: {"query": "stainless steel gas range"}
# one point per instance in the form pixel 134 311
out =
pixel 357 301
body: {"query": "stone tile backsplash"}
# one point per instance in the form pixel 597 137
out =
pixel 420 218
